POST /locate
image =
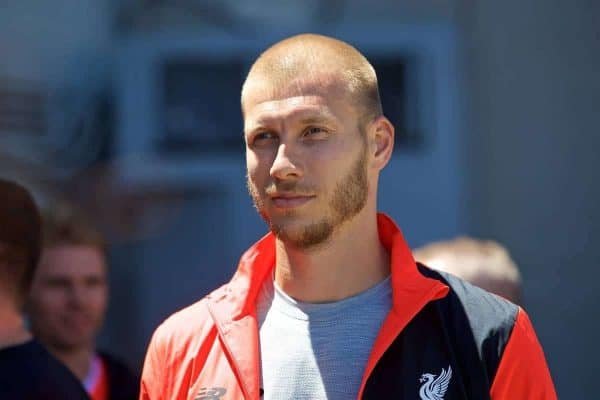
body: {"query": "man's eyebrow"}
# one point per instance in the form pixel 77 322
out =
pixel 304 117
pixel 255 126
pixel 55 278
pixel 316 119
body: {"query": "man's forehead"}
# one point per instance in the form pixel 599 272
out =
pixel 71 259
pixel 297 108
pixel 295 105
pixel 320 92
pixel 261 88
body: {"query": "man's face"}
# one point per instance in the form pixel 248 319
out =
pixel 68 297
pixel 306 159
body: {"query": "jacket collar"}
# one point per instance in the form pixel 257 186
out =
pixel 256 264
pixel 233 307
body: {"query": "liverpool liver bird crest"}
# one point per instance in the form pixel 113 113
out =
pixel 435 388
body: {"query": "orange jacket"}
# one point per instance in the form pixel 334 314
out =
pixel 210 349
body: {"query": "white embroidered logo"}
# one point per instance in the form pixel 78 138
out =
pixel 435 388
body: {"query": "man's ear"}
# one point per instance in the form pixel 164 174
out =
pixel 381 141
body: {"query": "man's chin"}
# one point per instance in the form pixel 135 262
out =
pixel 303 236
pixel 286 235
pixel 287 228
pixel 74 343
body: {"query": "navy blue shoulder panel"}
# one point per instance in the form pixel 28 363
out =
pixel 465 331
pixel 491 318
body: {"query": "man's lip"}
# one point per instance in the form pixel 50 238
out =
pixel 78 321
pixel 290 200
pixel 288 195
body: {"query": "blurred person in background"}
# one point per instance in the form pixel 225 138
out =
pixel 330 304
pixel 27 370
pixel 484 263
pixel 68 302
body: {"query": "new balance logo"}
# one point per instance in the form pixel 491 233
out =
pixel 435 388
pixel 213 393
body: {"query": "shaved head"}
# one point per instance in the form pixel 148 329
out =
pixel 309 63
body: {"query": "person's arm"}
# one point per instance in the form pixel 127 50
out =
pixel 523 372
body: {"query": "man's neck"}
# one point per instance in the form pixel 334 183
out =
pixel 77 360
pixel 12 328
pixel 353 261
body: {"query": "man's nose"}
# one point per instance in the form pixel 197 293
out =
pixel 286 164
pixel 77 296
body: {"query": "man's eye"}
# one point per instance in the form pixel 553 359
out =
pixel 57 283
pixel 315 130
pixel 94 282
pixel 263 136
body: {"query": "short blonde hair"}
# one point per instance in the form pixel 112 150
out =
pixel 484 263
pixel 65 226
pixel 306 58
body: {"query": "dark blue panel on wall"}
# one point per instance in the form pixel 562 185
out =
pixel 201 107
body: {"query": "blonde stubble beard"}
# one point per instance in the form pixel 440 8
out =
pixel 349 198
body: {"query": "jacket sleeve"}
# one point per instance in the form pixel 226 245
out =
pixel 523 372
pixel 150 386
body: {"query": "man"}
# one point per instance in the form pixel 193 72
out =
pixel 27 370
pixel 483 263
pixel 68 302
pixel 330 304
